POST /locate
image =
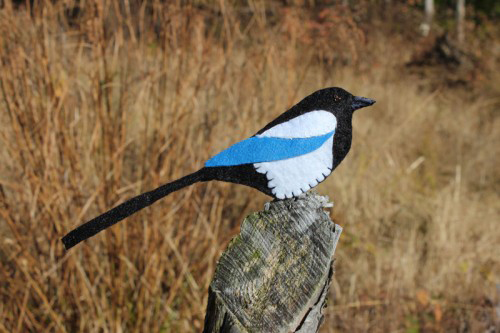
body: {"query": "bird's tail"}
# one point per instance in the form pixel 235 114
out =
pixel 128 208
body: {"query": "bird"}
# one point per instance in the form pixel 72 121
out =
pixel 289 156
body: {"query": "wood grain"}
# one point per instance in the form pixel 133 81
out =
pixel 274 276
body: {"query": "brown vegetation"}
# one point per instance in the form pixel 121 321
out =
pixel 103 102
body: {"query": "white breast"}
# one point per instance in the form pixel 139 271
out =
pixel 293 176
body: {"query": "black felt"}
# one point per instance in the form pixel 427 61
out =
pixel 128 208
pixel 244 174
pixel 240 174
pixel 335 100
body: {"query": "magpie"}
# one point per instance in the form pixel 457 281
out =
pixel 290 155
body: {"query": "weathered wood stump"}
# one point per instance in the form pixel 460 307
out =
pixel 274 276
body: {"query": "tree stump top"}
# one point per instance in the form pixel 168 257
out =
pixel 274 272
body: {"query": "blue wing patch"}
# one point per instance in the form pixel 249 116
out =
pixel 266 149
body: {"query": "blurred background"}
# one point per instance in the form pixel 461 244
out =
pixel 102 100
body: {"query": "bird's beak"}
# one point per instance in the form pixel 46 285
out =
pixel 361 102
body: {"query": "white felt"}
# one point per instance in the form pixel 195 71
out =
pixel 293 176
pixel 313 123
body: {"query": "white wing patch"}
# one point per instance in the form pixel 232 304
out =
pixel 293 176
pixel 310 124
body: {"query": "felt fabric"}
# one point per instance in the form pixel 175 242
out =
pixel 310 124
pixel 293 153
pixel 265 149
pixel 287 180
pixel 128 208
pixel 293 176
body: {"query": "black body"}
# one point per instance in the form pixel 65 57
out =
pixel 336 100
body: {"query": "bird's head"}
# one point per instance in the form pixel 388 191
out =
pixel 336 100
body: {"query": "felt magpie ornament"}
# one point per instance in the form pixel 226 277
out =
pixel 290 155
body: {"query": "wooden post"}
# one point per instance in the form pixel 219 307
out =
pixel 460 20
pixel 274 276
pixel 429 15
pixel 429 11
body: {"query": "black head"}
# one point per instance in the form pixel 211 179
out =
pixel 336 100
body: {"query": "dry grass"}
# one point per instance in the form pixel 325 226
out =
pixel 123 99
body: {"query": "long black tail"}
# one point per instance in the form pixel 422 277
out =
pixel 128 208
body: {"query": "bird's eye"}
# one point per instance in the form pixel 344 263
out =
pixel 336 98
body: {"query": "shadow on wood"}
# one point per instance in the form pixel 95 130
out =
pixel 274 276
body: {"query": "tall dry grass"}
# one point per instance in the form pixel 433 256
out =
pixel 106 101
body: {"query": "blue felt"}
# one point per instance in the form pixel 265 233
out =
pixel 266 149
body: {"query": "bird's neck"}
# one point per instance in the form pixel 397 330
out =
pixel 342 140
pixel 344 125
